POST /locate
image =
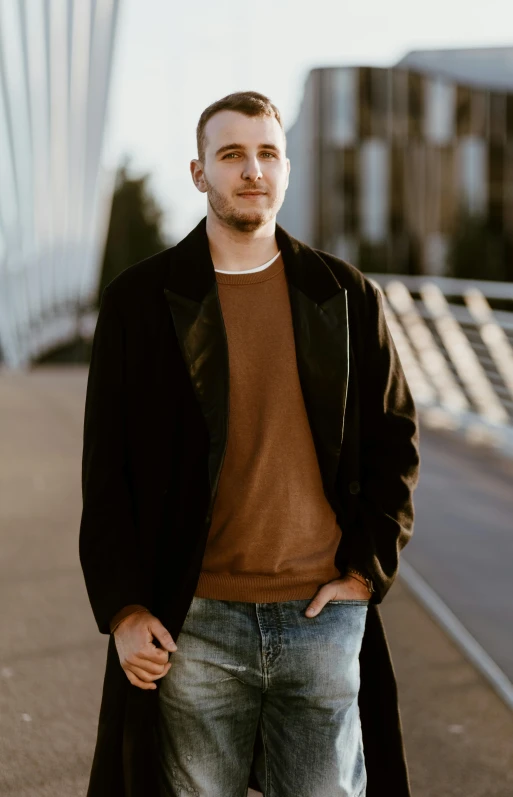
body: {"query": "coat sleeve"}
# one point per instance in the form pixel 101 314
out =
pixel 390 459
pixel 107 539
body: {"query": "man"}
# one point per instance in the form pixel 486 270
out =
pixel 250 455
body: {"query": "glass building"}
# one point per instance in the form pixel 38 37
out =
pixel 55 64
pixel 388 165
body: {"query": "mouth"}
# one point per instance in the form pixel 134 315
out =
pixel 252 194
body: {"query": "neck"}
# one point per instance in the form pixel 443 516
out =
pixel 233 250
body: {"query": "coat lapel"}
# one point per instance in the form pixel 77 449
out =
pixel 321 333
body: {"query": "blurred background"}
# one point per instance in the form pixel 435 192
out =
pixel 399 123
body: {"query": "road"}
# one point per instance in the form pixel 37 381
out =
pixel 463 538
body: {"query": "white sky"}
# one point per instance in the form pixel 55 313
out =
pixel 172 60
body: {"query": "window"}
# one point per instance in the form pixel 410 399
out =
pixel 343 121
pixel 439 117
pixel 374 183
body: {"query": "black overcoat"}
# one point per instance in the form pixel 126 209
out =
pixel 155 431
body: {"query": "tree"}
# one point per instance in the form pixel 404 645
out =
pixel 135 232
pixel 135 228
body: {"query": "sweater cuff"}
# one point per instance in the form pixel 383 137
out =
pixel 125 612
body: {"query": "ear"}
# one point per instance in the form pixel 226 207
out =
pixel 197 172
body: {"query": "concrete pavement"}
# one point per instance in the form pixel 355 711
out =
pixel 459 735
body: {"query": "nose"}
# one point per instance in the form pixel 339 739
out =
pixel 251 170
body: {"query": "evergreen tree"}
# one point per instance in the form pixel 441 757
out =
pixel 135 228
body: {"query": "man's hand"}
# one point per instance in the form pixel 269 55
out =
pixel 338 589
pixel 142 661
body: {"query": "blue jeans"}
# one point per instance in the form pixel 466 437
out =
pixel 247 668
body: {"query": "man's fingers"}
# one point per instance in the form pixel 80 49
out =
pixel 149 666
pixel 144 675
pixel 315 607
pixel 151 653
pixel 320 600
pixel 338 589
pixel 162 634
pixel 135 681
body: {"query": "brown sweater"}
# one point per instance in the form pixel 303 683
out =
pixel 273 535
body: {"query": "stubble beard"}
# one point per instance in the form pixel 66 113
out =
pixel 243 221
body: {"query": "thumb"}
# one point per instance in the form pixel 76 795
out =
pixel 319 600
pixel 162 634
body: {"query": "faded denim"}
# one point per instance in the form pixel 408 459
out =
pixel 247 668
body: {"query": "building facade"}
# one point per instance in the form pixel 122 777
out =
pixel 391 166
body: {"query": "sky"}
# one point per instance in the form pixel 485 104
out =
pixel 172 60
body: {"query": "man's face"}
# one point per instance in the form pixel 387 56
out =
pixel 245 172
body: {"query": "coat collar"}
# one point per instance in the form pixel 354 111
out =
pixel 192 272
pixel 321 333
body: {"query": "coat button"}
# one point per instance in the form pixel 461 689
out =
pixel 354 488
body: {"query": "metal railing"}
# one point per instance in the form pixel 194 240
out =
pixel 455 341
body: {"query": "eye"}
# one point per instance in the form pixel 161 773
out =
pixel 228 155
pixel 269 153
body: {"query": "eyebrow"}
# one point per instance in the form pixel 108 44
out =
pixel 227 147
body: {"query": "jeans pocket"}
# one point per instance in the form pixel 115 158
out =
pixel 356 601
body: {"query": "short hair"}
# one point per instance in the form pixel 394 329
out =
pixel 250 103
